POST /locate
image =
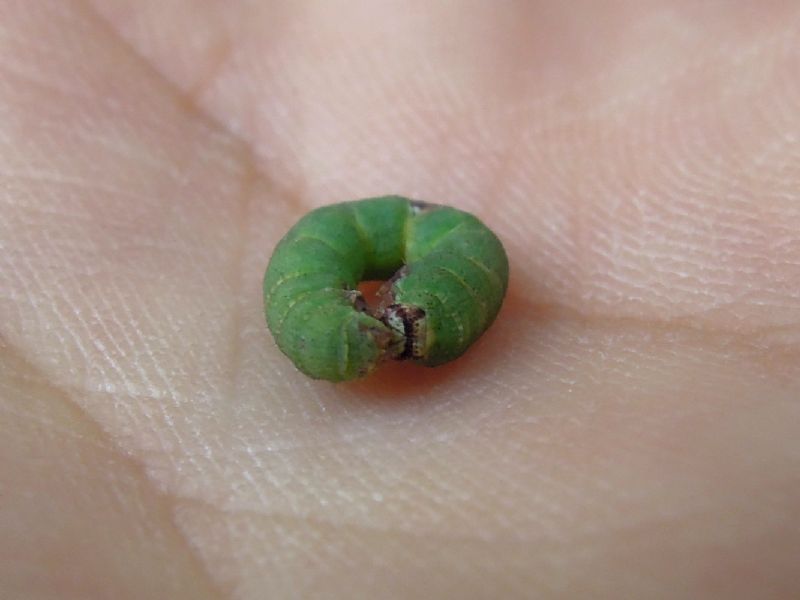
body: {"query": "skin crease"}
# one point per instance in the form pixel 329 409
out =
pixel 628 427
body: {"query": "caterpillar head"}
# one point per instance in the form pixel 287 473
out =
pixel 408 321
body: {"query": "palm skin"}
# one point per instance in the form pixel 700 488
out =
pixel 627 428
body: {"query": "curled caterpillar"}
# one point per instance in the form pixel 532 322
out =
pixel 446 275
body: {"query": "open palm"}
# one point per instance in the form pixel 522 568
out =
pixel 629 426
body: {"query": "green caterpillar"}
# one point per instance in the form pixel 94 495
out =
pixel 446 275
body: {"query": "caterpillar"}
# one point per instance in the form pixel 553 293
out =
pixel 445 277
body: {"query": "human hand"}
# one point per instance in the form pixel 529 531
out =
pixel 627 428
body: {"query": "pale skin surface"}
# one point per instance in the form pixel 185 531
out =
pixel 628 428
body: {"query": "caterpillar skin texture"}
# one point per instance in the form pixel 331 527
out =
pixel 446 275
